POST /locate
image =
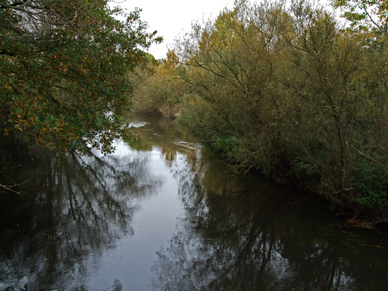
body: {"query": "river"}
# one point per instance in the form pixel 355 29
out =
pixel 164 213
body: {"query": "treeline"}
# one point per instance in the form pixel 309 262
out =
pixel 288 90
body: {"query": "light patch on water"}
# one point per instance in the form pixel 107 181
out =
pixel 188 145
pixel 137 124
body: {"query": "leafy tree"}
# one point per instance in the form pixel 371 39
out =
pixel 324 62
pixel 232 65
pixel 64 71
pixel 283 89
pixel 364 14
pixel 158 89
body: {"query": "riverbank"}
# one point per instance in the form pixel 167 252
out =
pixel 352 215
pixel 290 94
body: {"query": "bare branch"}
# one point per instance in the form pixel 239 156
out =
pixel 16 4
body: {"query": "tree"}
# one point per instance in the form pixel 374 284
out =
pixel 64 71
pixel 233 64
pixel 158 89
pixel 364 14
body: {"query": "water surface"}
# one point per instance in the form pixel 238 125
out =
pixel 167 214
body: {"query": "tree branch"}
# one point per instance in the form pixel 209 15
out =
pixel 16 4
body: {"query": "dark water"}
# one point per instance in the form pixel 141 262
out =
pixel 165 214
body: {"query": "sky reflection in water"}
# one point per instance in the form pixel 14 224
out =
pixel 164 214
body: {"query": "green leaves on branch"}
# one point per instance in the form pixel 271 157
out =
pixel 285 90
pixel 64 71
pixel 365 14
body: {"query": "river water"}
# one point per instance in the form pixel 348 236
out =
pixel 164 213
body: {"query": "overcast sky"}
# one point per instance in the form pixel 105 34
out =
pixel 172 17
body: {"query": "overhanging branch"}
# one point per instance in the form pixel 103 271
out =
pixel 16 4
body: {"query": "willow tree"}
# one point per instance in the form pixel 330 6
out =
pixel 233 64
pixel 365 14
pixel 64 71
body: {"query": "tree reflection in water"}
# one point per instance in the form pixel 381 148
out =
pixel 232 232
pixel 246 235
pixel 71 211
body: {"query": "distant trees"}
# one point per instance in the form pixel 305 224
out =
pixel 288 91
pixel 157 86
pixel 64 71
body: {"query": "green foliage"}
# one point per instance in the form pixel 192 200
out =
pixel 158 88
pixel 365 14
pixel 284 89
pixel 371 184
pixel 234 71
pixel 63 71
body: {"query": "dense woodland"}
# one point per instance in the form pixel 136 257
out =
pixel 288 89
